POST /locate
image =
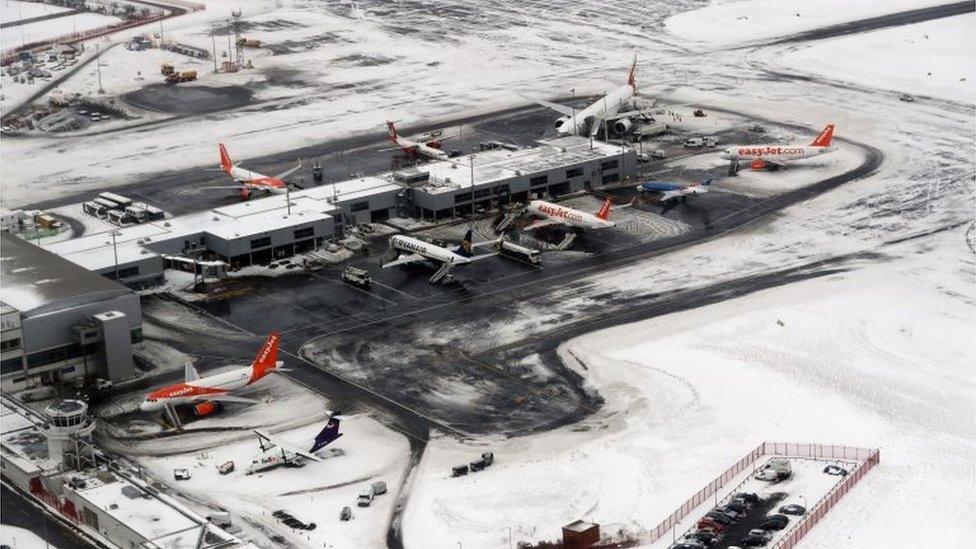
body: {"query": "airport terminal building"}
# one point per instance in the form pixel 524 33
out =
pixel 267 229
pixel 62 322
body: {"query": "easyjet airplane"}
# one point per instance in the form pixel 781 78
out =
pixel 776 156
pixel 554 214
pixel 204 391
pixel 248 181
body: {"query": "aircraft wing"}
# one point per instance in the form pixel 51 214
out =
pixel 220 187
pixel 595 126
pixel 561 109
pixel 226 398
pixel 487 242
pixel 286 173
pixel 482 256
pixel 670 195
pixel 277 443
pixel 405 260
pixel 628 114
pixel 543 223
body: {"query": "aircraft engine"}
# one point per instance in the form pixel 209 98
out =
pixel 567 121
pixel 622 126
pixel 204 408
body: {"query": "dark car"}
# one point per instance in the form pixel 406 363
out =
pixel 747 497
pixel 753 541
pixel 703 536
pixel 729 511
pixel 720 517
pixel 774 522
pixel 835 470
pixel 737 506
pixel 793 509
pixel 687 545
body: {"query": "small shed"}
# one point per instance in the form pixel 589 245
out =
pixel 581 534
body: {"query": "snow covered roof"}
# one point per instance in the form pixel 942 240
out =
pixel 501 164
pixel 148 516
pixel 37 281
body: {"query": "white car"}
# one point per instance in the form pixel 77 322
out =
pixel 694 142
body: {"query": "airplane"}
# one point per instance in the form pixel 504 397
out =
pixel 413 250
pixel 203 392
pixel 249 181
pixel 275 453
pixel 554 214
pixel 671 191
pixel 607 110
pixel 429 148
pixel 776 156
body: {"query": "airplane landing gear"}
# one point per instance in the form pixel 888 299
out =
pixel 734 167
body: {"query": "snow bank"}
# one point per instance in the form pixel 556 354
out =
pixel 20 538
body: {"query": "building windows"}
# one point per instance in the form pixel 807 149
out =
pixel 539 180
pixel 575 172
pixel 481 193
pixel 359 206
pixel 463 197
pixel 135 336
pixel 304 233
pixel 11 365
pixel 609 165
pixel 610 178
pixel 10 344
pixel 260 242
pixel 57 354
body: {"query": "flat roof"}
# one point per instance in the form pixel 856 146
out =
pixel 148 516
pixel 36 280
pixel 23 442
pixel 497 165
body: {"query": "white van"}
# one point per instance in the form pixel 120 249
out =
pixel 694 142
pixel 709 141
pixel 365 497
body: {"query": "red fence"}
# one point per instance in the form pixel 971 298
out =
pixel 867 458
pixel 80 36
pixel 64 506
pixel 828 501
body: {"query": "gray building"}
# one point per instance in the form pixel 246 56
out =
pixel 62 322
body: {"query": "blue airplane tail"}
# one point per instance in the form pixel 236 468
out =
pixel 464 249
pixel 328 434
pixel 706 182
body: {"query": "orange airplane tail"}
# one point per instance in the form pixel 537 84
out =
pixel 225 162
pixel 267 358
pixel 823 140
pixel 604 211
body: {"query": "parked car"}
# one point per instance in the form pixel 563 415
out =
pixel 659 154
pixel 720 517
pixel 775 470
pixel 379 487
pixel 365 497
pixel 688 544
pixel 774 522
pixel 477 465
pixel 739 506
pixel 181 474
pixel 757 538
pixel 710 524
pixel 226 468
pixel 345 514
pixel 906 98
pixel 459 470
pixel 355 276
pixel 748 497
pixel 730 512
pixel 835 470
pixel 694 142
pixel 703 536
pixel 709 141
pixel 488 458
pixel 793 509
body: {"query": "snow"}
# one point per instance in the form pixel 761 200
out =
pixel 367 452
pixel 18 10
pixel 935 58
pixel 725 22
pixel 19 538
pixel 37 31
pixel 150 517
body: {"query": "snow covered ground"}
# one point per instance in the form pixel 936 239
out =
pixel 725 22
pixel 27 33
pixel 934 59
pixel 18 10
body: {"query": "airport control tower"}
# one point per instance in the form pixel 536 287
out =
pixel 68 432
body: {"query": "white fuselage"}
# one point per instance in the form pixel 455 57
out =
pixel 567 216
pixel 779 154
pixel 192 391
pixel 433 252
pixel 271 458
pixel 421 148
pixel 257 180
pixel 609 105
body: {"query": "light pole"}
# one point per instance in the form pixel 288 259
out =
pixel 115 252
pixel 575 129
